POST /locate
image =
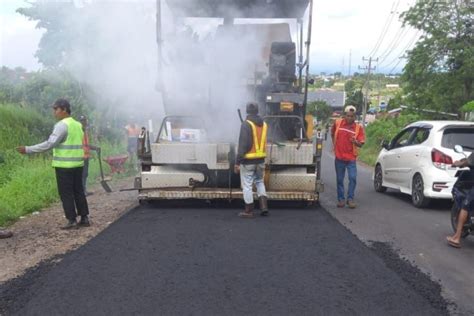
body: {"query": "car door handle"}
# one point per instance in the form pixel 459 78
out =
pixel 417 154
pixel 398 156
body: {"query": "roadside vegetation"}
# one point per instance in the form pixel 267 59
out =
pixel 380 130
pixel 27 183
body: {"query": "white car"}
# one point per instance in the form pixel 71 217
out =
pixel 418 160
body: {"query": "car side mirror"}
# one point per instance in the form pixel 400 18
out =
pixel 458 149
pixel 385 144
pixel 311 81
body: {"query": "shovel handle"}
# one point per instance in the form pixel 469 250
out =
pixel 100 163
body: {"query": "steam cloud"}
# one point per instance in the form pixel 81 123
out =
pixel 206 65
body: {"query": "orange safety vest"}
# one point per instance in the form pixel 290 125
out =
pixel 259 144
pixel 86 146
pixel 357 132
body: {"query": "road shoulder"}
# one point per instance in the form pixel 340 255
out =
pixel 38 237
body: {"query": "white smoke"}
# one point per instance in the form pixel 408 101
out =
pixel 208 69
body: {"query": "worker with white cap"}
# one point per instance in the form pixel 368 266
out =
pixel 347 137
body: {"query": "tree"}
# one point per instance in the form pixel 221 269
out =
pixel 59 36
pixel 350 86
pixel 395 102
pixel 356 98
pixel 320 109
pixel 439 71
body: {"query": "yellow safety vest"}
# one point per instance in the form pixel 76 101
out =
pixel 70 153
pixel 259 146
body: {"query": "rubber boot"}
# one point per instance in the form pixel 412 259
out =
pixel 248 213
pixel 71 224
pixel 263 206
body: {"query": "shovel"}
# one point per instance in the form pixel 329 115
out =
pixel 104 183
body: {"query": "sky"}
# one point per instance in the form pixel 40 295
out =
pixel 344 31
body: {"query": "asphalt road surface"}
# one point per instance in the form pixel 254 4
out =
pixel 207 261
pixel 204 260
pixel 418 234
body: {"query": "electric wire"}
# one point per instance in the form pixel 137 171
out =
pixel 409 46
pixel 402 32
pixel 385 29
pixel 414 40
pixel 402 51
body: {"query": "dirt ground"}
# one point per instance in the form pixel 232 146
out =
pixel 38 236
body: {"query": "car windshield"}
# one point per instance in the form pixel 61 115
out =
pixel 463 136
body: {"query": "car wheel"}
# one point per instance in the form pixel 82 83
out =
pixel 378 180
pixel 417 192
pixel 454 220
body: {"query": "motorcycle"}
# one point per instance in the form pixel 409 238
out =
pixel 463 184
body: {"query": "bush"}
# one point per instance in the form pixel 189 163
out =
pixel 383 129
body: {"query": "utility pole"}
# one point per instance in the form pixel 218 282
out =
pixel 350 60
pixel 378 92
pixel 366 96
pixel 342 68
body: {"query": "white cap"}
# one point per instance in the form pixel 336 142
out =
pixel 350 108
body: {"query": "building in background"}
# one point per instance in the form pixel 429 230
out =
pixel 333 98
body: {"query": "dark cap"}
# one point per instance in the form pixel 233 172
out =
pixel 252 108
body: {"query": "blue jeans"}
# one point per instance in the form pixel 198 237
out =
pixel 341 166
pixel 250 174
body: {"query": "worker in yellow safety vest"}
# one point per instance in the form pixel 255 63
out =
pixel 250 160
pixel 68 162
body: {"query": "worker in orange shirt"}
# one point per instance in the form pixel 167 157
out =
pixel 347 137
pixel 133 131
pixel 87 152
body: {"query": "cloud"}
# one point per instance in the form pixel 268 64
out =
pixel 338 27
pixel 18 40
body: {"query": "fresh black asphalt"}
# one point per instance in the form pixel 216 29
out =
pixel 206 261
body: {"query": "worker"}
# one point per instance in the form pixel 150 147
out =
pixel 68 162
pixel 5 234
pixel 132 132
pixel 347 137
pixel 87 152
pixel 250 161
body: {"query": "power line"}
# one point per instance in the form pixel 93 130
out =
pixel 385 29
pixel 400 57
pixel 412 41
pixel 390 48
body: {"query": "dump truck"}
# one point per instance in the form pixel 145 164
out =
pixel 192 158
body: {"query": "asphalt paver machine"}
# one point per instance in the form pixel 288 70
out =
pixel 190 158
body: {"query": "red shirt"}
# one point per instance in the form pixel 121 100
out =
pixel 344 148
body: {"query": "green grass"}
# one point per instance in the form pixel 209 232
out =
pixel 33 186
pixel 27 183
